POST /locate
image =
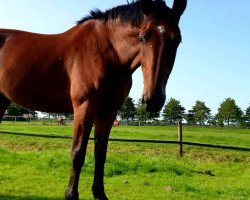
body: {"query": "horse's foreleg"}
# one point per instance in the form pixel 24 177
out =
pixel 83 121
pixel 103 126
pixel 4 103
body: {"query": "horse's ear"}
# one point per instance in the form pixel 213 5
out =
pixel 178 8
pixel 146 6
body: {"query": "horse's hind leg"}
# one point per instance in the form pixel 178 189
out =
pixel 4 104
pixel 103 125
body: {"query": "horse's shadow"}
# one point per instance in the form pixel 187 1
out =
pixel 10 197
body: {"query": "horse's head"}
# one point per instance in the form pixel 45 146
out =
pixel 160 37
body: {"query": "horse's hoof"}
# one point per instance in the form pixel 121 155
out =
pixel 99 193
pixel 101 197
pixel 70 195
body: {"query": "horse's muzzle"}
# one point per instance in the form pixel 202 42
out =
pixel 153 103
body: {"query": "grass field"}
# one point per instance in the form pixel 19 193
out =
pixel 38 168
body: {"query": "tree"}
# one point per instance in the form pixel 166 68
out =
pixel 153 115
pixel 248 112
pixel 247 117
pixel 56 115
pixel 189 117
pixel 16 110
pixel 212 121
pixel 173 111
pixel 140 113
pixel 127 111
pixel 201 112
pixel 229 111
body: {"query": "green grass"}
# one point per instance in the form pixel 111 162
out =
pixel 223 136
pixel 38 168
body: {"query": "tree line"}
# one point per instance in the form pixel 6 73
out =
pixel 20 111
pixel 229 113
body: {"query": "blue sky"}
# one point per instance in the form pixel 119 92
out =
pixel 212 63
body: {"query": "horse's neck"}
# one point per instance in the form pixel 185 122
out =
pixel 117 43
pixel 124 39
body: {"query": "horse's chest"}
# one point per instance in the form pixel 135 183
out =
pixel 116 92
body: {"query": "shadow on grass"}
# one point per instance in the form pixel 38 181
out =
pixel 9 197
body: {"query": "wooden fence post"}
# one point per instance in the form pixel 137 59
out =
pixel 180 139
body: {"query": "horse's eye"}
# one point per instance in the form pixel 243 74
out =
pixel 142 39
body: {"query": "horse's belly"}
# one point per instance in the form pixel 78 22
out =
pixel 48 94
pixel 44 103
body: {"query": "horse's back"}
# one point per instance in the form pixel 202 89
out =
pixel 9 35
pixel 32 70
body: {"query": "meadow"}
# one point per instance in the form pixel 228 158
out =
pixel 35 168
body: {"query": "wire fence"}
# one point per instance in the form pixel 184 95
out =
pixel 179 142
pixel 36 120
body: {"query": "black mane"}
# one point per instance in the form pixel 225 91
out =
pixel 130 13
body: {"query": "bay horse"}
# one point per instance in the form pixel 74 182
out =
pixel 116 123
pixel 88 70
pixel 59 121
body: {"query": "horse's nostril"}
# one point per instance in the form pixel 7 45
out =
pixel 153 103
pixel 143 99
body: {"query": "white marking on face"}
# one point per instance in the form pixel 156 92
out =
pixel 161 29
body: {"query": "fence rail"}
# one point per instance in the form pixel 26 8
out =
pixel 31 119
pixel 179 142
